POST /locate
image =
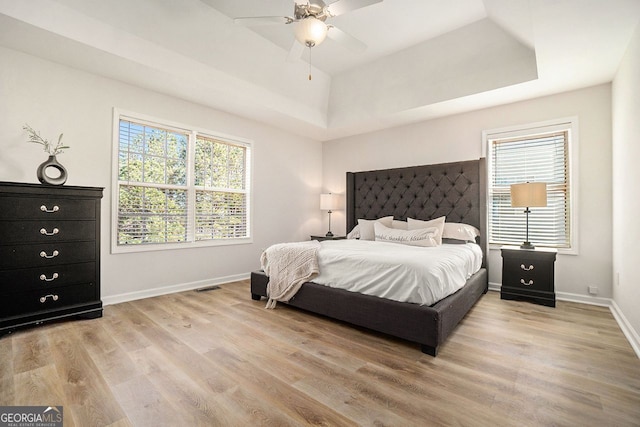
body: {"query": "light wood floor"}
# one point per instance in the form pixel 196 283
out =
pixel 219 358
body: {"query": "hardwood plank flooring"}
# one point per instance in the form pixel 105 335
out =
pixel 219 358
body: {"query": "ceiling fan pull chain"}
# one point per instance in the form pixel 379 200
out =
pixel 309 62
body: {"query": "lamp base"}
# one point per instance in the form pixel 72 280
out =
pixel 329 234
pixel 527 245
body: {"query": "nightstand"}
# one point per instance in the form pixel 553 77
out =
pixel 528 274
pixel 321 238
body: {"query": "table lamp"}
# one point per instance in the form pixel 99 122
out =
pixel 329 202
pixel 527 195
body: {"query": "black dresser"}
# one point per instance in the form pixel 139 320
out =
pixel 49 253
pixel 528 274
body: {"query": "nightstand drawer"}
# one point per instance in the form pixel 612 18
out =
pixel 47 299
pixel 531 274
pixel 46 231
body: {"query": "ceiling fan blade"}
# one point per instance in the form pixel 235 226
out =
pixel 251 21
pixel 343 6
pixel 295 53
pixel 347 40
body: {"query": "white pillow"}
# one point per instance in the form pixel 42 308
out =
pixel 416 224
pixel 366 226
pixel 460 231
pixel 419 237
pixel 355 233
pixel 399 225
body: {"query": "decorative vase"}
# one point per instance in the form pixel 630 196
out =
pixel 52 162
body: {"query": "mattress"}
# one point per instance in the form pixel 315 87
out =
pixel 421 275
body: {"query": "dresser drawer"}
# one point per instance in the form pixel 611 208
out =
pixel 46 207
pixel 53 298
pixel 12 281
pixel 46 231
pixel 46 254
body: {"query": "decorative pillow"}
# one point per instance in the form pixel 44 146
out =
pixel 399 225
pixel 416 224
pixel 355 233
pixel 419 237
pixel 460 231
pixel 366 226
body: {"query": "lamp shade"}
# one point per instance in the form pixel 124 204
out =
pixel 529 195
pixel 329 202
pixel 311 31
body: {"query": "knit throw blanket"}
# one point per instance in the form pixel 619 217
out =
pixel 288 266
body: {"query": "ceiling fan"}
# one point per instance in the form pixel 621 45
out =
pixel 310 27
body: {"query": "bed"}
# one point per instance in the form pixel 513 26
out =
pixel 455 190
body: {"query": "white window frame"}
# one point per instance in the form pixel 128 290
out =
pixel 569 124
pixel 193 132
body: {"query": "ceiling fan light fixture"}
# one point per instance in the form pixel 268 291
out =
pixel 311 31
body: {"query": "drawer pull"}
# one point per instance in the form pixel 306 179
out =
pixel 529 283
pixel 46 279
pixel 46 233
pixel 44 298
pixel 55 253
pixel 522 266
pixel 43 208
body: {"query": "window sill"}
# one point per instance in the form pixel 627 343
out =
pixel 124 249
pixel 561 251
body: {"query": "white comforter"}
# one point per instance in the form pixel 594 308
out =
pixel 397 272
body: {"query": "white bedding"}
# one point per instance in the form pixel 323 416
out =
pixel 397 272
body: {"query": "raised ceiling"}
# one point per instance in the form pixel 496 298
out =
pixel 425 58
pixel 394 28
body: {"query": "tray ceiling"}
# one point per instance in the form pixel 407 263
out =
pixel 425 58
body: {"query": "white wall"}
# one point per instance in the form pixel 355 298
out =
pixel 53 98
pixel 459 137
pixel 626 181
pixel 495 56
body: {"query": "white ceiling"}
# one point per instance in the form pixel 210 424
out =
pixel 385 27
pixel 425 58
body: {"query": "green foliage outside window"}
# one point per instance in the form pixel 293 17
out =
pixel 154 193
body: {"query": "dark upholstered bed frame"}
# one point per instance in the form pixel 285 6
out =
pixel 456 190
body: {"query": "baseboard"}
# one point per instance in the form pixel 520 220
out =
pixel 628 331
pixel 565 296
pixel 583 299
pixel 495 286
pixel 148 293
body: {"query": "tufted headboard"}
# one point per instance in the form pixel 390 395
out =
pixel 456 190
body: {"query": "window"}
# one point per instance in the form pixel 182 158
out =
pixel 534 153
pixel 177 187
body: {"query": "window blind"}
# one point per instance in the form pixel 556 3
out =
pixel 220 215
pixel 152 191
pixel 179 186
pixel 151 215
pixel 221 204
pixel 536 158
